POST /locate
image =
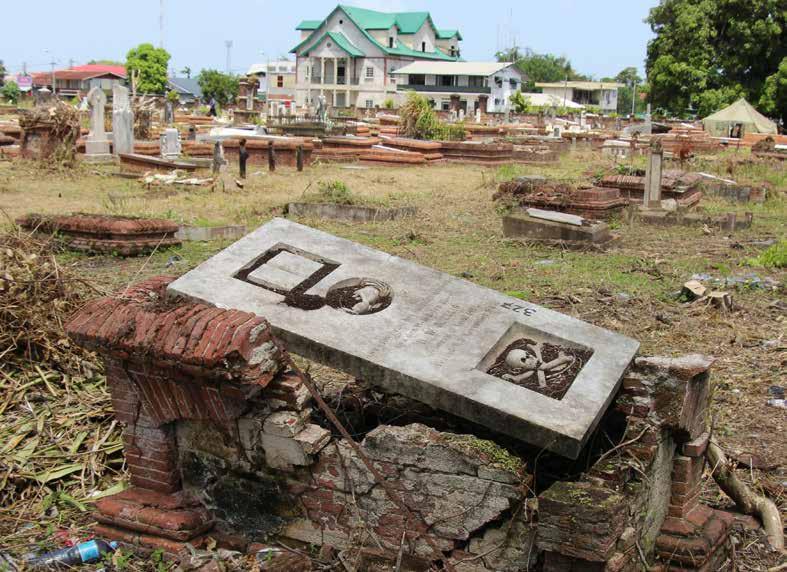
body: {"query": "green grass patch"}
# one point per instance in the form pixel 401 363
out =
pixel 774 257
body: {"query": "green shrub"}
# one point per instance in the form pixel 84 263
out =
pixel 773 257
pixel 10 92
pixel 335 192
pixel 419 121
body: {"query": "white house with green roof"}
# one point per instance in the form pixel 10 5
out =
pixel 350 56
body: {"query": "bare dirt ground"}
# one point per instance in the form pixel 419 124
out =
pixel 631 288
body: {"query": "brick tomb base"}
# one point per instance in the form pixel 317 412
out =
pixel 106 234
pixel 594 203
pixel 222 441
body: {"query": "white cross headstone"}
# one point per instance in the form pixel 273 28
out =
pixel 97 143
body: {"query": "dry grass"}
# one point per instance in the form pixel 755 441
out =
pixel 629 288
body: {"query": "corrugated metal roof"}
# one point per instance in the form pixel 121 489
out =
pixel 453 68
pixel 186 85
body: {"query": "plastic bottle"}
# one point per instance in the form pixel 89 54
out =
pixel 84 553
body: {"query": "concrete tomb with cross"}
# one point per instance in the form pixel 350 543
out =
pixel 514 367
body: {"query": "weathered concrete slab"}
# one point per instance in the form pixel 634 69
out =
pixel 207 233
pixel 537 227
pixel 352 213
pixel 520 369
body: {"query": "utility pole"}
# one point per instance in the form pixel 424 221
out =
pixel 228 44
pixel 161 24
pixel 633 97
pixel 52 63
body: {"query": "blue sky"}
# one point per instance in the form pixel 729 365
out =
pixel 600 38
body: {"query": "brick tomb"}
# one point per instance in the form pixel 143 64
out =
pixel 106 234
pixel 536 192
pixel 223 441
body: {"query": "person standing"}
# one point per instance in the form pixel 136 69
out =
pixel 212 105
pixel 243 155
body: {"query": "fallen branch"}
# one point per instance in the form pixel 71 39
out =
pixel 748 502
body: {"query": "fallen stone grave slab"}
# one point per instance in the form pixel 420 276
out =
pixel 515 367
pixel 533 225
pixel 353 213
pixel 106 234
pixel 144 163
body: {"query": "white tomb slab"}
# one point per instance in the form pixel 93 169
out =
pixel 517 368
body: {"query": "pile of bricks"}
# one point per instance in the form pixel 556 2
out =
pixel 106 234
pixel 685 188
pixel 688 139
pixel 535 192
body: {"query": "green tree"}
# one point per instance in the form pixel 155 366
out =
pixel 629 77
pixel 545 68
pixel 147 68
pixel 186 71
pixel 520 102
pixel 707 53
pixel 10 92
pixel 773 100
pixel 2 73
pixel 105 62
pixel 214 84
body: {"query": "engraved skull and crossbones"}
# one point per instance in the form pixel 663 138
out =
pixel 534 364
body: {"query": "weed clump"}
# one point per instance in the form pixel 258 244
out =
pixel 774 257
pixel 335 192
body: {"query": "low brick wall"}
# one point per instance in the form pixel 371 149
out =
pixel 106 234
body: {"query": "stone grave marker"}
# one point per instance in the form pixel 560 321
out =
pixel 170 143
pixel 122 121
pixel 517 368
pixel 97 143
pixel 653 175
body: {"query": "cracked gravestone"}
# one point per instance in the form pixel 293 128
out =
pixel 517 368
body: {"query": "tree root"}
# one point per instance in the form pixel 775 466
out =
pixel 748 502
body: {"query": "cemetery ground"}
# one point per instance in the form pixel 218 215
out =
pixel 61 430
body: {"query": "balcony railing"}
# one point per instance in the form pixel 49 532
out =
pixel 330 80
pixel 444 88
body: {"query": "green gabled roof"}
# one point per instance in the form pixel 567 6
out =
pixel 411 22
pixel 401 50
pixel 448 34
pixel 406 22
pixel 309 25
pixel 341 41
pixel 369 19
